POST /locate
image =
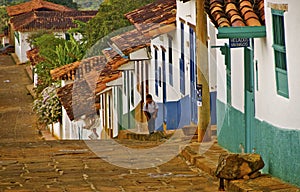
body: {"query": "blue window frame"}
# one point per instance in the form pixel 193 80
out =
pixel 163 57
pixel 280 53
pixel 170 53
pixel 156 71
pixel 181 62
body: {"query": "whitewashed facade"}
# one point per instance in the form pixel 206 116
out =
pixel 275 125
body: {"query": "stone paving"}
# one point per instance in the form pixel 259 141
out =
pixel 28 163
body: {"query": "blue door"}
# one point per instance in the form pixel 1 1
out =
pixel 193 80
pixel 164 85
pixel 181 61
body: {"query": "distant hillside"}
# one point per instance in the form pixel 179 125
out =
pixel 82 4
pixel 88 4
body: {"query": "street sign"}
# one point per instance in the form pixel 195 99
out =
pixel 239 42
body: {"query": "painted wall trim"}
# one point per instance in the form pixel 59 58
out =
pixel 241 32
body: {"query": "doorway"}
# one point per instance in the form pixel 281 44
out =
pixel 249 97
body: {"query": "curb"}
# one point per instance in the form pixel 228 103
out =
pixel 208 162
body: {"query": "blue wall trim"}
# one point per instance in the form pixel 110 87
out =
pixel 179 114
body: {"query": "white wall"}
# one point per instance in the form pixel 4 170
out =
pixel 66 125
pixel 212 56
pixel 173 91
pixel 4 40
pixel 22 46
pixel 186 11
pixel 270 106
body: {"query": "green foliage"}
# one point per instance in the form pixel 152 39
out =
pixel 48 106
pixel 88 4
pixel 31 39
pixel 56 52
pixel 109 18
pixel 3 19
pixel 67 3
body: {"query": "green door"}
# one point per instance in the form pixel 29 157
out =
pixel 120 108
pixel 249 98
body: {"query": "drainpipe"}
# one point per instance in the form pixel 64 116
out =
pixel 202 72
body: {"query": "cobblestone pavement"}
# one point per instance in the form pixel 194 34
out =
pixel 71 166
pixel 28 163
pixel 16 116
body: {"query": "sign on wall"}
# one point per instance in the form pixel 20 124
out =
pixel 199 94
pixel 239 42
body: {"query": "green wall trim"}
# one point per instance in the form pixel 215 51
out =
pixel 278 147
pixel 241 32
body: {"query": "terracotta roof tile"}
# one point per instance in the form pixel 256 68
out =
pixel 78 99
pixel 82 96
pixel 155 18
pixel 114 59
pixel 35 5
pixel 131 41
pixel 236 13
pixel 48 20
pixel 33 56
pixel 78 69
pixel 92 82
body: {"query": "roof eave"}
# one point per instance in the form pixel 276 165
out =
pixel 241 32
pixel 161 30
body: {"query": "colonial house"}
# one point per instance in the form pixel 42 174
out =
pixel 108 89
pixel 89 89
pixel 27 7
pixel 30 17
pixel 258 78
pixel 171 25
pixel 57 22
pixel 134 46
pixel 4 40
pixel 76 95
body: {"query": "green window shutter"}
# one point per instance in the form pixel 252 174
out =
pixel 280 53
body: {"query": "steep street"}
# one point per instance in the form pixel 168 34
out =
pixel 28 163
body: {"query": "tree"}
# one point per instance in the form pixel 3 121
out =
pixel 55 52
pixel 67 3
pixel 109 18
pixel 3 19
pixel 88 4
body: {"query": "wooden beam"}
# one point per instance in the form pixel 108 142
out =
pixel 202 72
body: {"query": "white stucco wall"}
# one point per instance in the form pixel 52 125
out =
pixel 22 46
pixel 173 91
pixel 4 41
pixel 212 57
pixel 186 11
pixel 271 107
pixel 66 125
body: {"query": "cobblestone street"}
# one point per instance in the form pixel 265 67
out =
pixel 28 163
